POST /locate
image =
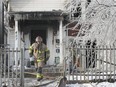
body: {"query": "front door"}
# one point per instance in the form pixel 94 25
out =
pixel 35 33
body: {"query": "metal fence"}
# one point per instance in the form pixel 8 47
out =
pixel 11 69
pixel 82 64
pixel 91 63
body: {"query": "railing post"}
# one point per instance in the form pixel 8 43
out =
pixel 22 68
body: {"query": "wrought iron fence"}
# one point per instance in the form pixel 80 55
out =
pixel 91 63
pixel 11 73
pixel 82 64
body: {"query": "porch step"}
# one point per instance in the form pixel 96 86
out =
pixel 48 71
pixel 30 74
pixel 30 69
pixel 53 71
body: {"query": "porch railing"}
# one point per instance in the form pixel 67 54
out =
pixel 91 63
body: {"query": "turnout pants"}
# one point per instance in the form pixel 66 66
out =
pixel 39 64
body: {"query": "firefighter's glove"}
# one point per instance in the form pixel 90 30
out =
pixel 47 58
pixel 30 54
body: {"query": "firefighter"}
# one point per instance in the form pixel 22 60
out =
pixel 41 54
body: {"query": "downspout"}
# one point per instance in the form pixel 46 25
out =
pixel 1 22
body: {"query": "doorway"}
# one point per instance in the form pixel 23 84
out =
pixel 35 33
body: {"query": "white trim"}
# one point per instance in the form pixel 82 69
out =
pixel 61 42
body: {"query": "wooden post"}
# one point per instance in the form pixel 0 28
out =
pixel 61 42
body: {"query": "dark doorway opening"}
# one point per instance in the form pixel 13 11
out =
pixel 35 33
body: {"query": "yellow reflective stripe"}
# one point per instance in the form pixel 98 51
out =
pixel 39 75
pixel 39 60
pixel 40 51
pixel 30 49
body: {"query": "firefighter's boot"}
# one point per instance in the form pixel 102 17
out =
pixel 39 77
pixel 39 74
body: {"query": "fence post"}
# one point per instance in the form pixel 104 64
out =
pixel 22 68
pixel 0 66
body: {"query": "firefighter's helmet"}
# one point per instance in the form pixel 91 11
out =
pixel 38 39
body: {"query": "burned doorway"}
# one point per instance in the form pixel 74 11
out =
pixel 35 33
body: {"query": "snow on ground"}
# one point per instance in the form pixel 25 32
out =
pixel 102 84
pixel 33 82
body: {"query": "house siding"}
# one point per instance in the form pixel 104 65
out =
pixel 36 5
pixel 12 38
